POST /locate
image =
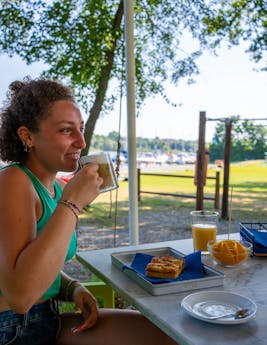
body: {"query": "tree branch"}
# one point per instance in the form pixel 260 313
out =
pixel 103 81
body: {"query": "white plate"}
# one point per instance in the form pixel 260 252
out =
pixel 205 304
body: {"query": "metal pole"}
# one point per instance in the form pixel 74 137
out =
pixel 131 122
pixel 200 161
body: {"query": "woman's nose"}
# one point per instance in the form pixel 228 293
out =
pixel 80 140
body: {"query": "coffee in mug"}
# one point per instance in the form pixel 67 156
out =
pixel 105 170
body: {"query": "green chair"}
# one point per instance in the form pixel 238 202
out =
pixel 103 292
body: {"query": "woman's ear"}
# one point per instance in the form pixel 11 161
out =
pixel 25 136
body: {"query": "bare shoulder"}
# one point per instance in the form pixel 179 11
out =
pixel 17 213
pixel 17 191
pixel 14 179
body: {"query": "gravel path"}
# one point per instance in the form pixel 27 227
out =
pixel 153 227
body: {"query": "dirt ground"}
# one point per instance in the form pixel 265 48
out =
pixel 153 227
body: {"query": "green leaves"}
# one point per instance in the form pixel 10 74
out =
pixel 82 42
pixel 75 40
pixel 239 20
pixel 248 140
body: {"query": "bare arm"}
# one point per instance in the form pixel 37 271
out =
pixel 29 264
pixel 85 302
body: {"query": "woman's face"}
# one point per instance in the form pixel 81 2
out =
pixel 58 143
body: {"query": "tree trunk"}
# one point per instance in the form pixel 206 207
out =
pixel 103 82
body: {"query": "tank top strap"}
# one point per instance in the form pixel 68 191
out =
pixel 39 187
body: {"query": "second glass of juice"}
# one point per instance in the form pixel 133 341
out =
pixel 204 228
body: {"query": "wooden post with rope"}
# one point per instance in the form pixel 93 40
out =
pixel 227 152
pixel 217 191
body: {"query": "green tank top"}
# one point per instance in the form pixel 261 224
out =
pixel 49 205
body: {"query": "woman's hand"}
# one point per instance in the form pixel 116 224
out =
pixel 84 187
pixel 87 305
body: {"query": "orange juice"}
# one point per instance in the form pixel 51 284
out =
pixel 202 234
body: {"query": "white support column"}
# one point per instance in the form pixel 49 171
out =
pixel 131 121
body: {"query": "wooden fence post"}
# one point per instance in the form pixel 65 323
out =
pixel 217 191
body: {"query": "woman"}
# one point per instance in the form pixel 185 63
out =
pixel 41 133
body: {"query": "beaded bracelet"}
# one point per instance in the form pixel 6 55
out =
pixel 71 207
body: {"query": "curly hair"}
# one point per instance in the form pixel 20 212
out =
pixel 28 102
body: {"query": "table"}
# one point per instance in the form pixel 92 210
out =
pixel 165 311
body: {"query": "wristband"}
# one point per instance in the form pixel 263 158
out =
pixel 71 207
pixel 68 292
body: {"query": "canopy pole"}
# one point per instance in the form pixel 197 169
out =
pixel 131 122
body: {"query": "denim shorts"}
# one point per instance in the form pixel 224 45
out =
pixel 39 326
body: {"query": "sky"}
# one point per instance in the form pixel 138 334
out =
pixel 227 85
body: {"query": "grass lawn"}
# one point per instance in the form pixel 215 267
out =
pixel 248 180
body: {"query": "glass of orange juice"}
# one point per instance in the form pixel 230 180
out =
pixel 204 228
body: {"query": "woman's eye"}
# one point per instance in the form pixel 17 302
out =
pixel 65 130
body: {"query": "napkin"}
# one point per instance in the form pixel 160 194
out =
pixel 193 267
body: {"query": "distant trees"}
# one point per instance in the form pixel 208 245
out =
pixel 249 140
pixel 109 143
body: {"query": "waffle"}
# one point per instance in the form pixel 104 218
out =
pixel 165 267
